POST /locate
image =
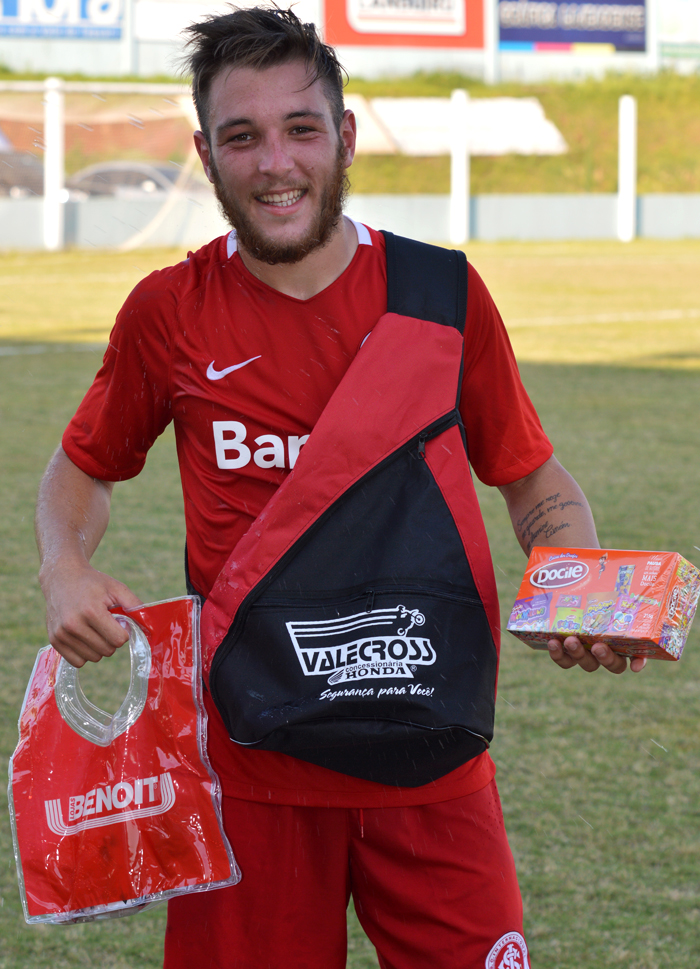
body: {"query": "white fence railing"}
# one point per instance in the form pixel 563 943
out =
pixel 54 90
pixel 627 170
pixel 55 196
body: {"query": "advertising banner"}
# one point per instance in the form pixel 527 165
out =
pixel 559 25
pixel 405 23
pixel 679 28
pixel 164 20
pixel 89 19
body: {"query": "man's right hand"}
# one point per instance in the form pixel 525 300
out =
pixel 80 626
pixel 71 517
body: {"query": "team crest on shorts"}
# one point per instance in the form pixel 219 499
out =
pixel 510 952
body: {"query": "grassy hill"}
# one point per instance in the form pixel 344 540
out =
pixel 586 114
pixel 584 111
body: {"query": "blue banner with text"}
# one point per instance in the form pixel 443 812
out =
pixel 554 25
pixel 87 19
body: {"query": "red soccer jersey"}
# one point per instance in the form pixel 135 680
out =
pixel 244 371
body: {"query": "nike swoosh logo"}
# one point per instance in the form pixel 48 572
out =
pixel 214 374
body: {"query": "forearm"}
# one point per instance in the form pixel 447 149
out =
pixel 72 514
pixel 71 518
pixel 549 508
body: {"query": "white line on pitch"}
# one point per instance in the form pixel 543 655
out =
pixel 641 317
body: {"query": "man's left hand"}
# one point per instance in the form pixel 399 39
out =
pixel 573 653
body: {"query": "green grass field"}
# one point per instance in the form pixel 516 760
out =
pixel 599 775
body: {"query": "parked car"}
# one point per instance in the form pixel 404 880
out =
pixel 21 174
pixel 127 179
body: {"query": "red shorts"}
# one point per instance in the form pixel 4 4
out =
pixel 434 888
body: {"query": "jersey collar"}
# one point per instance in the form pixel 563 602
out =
pixel 363 238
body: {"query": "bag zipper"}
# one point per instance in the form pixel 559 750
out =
pixel 431 431
pixel 368 595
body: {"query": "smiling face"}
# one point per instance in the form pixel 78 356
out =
pixel 276 159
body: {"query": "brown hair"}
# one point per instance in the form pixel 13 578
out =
pixel 258 37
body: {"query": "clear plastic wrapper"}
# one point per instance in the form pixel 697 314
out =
pixel 639 603
pixel 112 812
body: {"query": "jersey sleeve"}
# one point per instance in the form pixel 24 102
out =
pixel 128 404
pixel 505 439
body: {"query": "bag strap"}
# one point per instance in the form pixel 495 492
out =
pixel 426 282
pixel 423 281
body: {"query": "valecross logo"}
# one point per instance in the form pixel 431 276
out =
pixel 556 575
pixel 366 645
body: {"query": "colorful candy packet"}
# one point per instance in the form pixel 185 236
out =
pixel 639 603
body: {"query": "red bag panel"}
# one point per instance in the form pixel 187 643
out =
pixel 99 829
pixel 448 462
pixel 379 410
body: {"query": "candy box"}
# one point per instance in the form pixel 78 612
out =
pixel 639 603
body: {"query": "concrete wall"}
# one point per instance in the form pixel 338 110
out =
pixel 530 217
pixel 96 58
pixel 146 58
pixel 419 216
pixel 21 223
pixel 378 62
pixel 107 223
pixel 110 223
pixel 539 217
pixel 669 216
pixel 93 58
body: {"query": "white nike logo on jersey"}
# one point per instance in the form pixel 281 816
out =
pixel 213 374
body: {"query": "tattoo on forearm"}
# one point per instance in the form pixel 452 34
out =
pixel 547 530
pixel 552 500
pixel 536 524
pixel 566 504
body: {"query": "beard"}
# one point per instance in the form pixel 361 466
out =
pixel 264 249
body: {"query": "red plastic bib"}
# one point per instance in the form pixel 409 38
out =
pixel 112 812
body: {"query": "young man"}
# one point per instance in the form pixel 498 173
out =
pixel 242 345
